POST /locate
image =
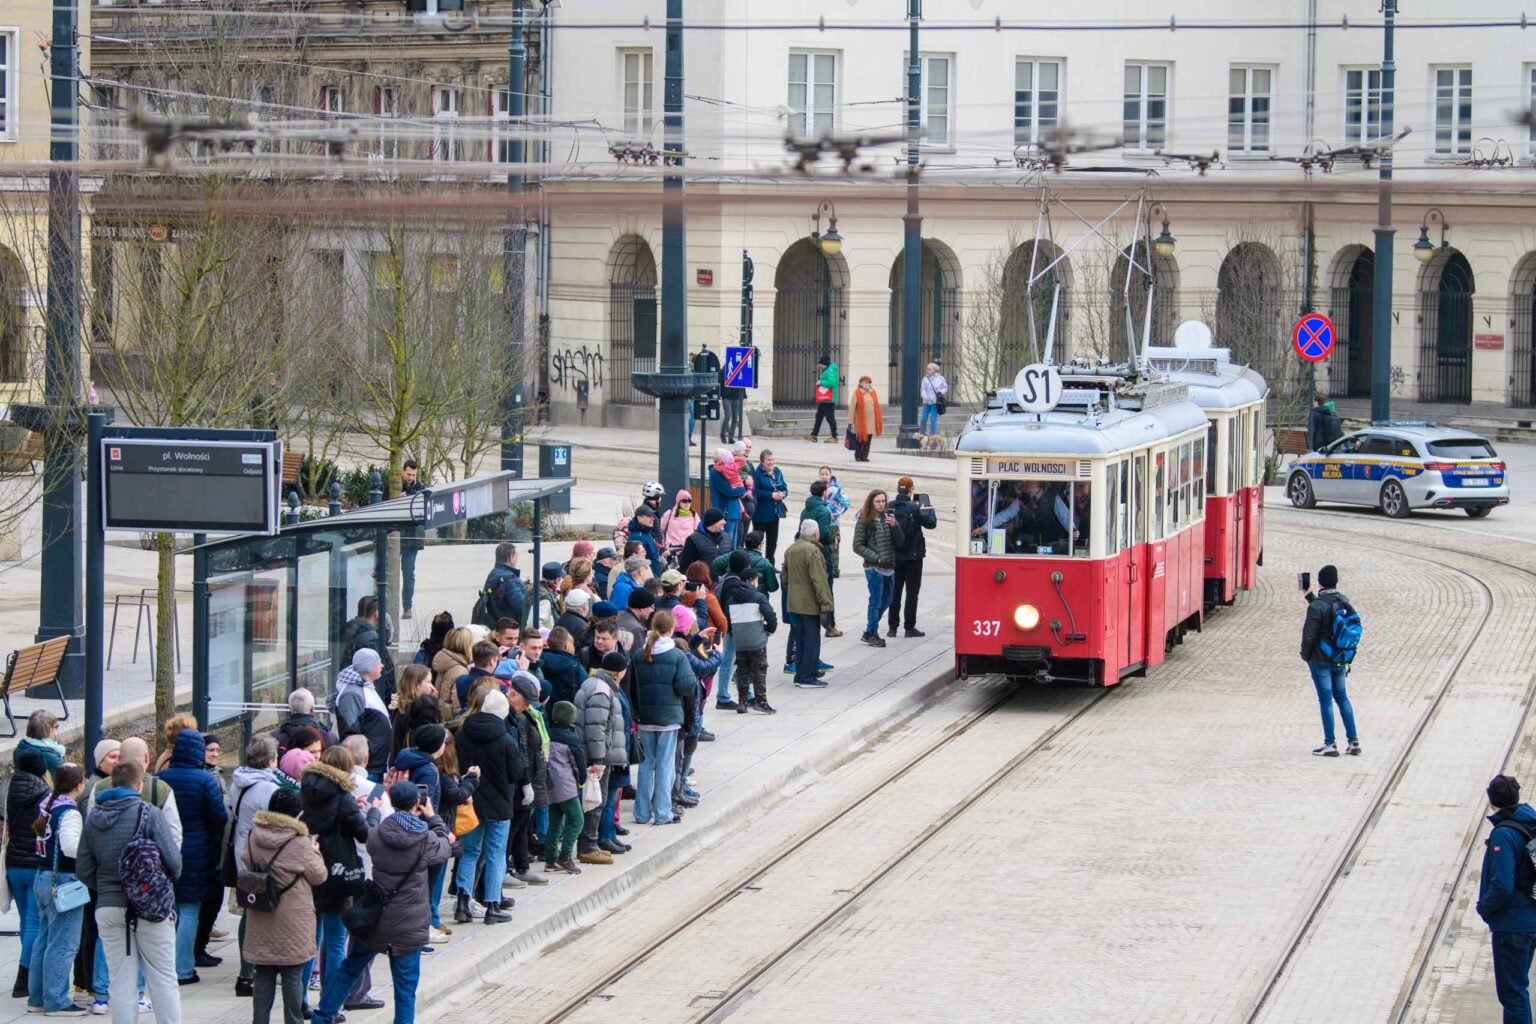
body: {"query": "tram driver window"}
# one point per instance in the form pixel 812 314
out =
pixel 1030 517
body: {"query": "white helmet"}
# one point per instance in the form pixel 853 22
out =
pixel 652 490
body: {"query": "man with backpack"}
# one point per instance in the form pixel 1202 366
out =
pixel 130 859
pixel 914 514
pixel 1329 638
pixel 1504 900
pixel 503 595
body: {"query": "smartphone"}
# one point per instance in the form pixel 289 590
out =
pixel 1304 581
pixel 421 791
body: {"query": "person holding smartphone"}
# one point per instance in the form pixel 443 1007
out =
pixel 876 537
pixel 914 514
pixel 1327 675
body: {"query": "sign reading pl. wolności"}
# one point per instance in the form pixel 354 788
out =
pixel 190 486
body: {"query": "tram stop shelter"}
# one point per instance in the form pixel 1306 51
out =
pixel 269 612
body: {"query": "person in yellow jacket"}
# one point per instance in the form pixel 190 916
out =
pixel 864 418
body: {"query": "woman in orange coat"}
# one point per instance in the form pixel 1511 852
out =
pixel 864 418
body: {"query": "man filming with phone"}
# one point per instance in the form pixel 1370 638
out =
pixel 1330 635
pixel 914 513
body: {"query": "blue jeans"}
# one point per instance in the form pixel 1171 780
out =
pixel 607 825
pixel 881 589
pixel 437 877
pixel 541 822
pixel 805 638
pixel 53 946
pixel 333 944
pixel 928 416
pixel 1512 974
pixel 1329 680
pixel 653 785
pixel 723 674
pixel 404 970
pixel 186 939
pixel 408 553
pixel 20 881
pixel 490 840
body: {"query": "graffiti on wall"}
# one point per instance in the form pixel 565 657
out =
pixel 568 365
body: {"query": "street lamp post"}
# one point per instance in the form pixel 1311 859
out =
pixel 516 252
pixel 827 244
pixel 912 249
pixel 1381 316
pixel 1424 250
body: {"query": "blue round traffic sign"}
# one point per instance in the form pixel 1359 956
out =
pixel 1313 337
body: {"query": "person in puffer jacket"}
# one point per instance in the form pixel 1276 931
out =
pixel 753 621
pixel 678 522
pixel 29 787
pixel 600 714
pixel 332 815
pixel 567 771
pixel 200 802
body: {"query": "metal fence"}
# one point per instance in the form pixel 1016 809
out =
pixel 939 321
pixel 807 321
pixel 1445 339
pixel 1522 374
pixel 631 340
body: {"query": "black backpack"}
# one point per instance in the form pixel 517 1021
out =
pixel 257 889
pixel 1529 861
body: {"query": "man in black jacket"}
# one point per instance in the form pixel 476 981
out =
pixel 1327 676
pixel 363 631
pixel 411 540
pixel 505 594
pixel 914 516
pixel 707 543
pixel 484 741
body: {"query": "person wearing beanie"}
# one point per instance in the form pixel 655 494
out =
pixel 1328 672
pixel 604 610
pixel 420 762
pixel 634 621
pixel 826 400
pixel 105 756
pixel 914 514
pixel 362 710
pixel 567 772
pixel 708 542
pixel 1504 895
pixel 485 742
pixel 544 607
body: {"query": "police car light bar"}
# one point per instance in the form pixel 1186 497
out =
pixel 1404 423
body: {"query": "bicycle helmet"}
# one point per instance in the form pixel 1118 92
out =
pixel 652 490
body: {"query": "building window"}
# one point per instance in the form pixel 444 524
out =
pixel 1362 105
pixel 1036 99
pixel 1146 106
pixel 8 83
pixel 1250 91
pixel 501 115
pixel 812 93
pixel 1530 98
pixel 386 107
pixel 1453 111
pixel 330 101
pixel 639 90
pixel 446 144
pixel 936 85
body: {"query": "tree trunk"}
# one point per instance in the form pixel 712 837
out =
pixel 165 634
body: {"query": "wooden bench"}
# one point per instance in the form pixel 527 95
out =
pixel 30 452
pixel 37 665
pixel 1290 441
pixel 291 463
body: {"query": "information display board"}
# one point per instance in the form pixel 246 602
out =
pixel 187 486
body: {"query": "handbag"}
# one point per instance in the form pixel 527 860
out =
pixel 344 869
pixel 70 895
pixel 592 793
pixel 258 889
pixel 848 439
pixel 823 393
pixel 465 820
pixel 942 405
pixel 365 913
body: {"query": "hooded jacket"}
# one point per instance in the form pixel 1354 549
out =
pixel 27 791
pixel 401 858
pixel 749 612
pixel 661 685
pixel 528 726
pixel 567 763
pixel 422 771
pixel 330 809
pixel 647 541
pixel 506 595
pixel 203 817
pixel 601 720
pixel 486 741
pixel 356 714
pixel 249 793
pixel 564 674
pixel 703 546
pixel 51 751
pixel 109 828
pixel 1319 624
pixel 725 495
pixel 619 590
pixel 447 667
pixel 1504 893
pixel 278 938
pixel 675 526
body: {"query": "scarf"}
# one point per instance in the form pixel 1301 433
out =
pixel 412 823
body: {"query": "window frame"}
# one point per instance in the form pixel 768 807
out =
pixel 386 107
pixel 1143 142
pixel 10 82
pixel 1250 98
pixel 1364 130
pixel 1459 132
pixel 923 110
pixel 445 134
pixel 810 112
pixel 333 100
pixel 1530 102
pixel 1034 102
pixel 644 113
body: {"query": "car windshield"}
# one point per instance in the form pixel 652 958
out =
pixel 1029 517
pixel 1462 448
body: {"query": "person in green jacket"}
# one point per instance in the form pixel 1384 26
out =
pixel 826 401
pixel 767 579
pixel 817 509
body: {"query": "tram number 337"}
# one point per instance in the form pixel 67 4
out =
pixel 986 627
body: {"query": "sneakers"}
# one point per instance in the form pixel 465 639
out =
pixel 741 709
pixel 873 639
pixel 725 705
pixel 436 936
pixel 100 1008
pixel 913 634
pixel 705 736
pixel 822 666
pixel 767 708
pixel 73 1011
pixel 890 631
pixel 814 684
pixel 595 857
pixel 511 881
pixel 314 981
pixel 1326 750
pixel 789 668
pixel 1353 748
pixel 245 988
pixel 612 846
pixel 529 878
pixel 145 1006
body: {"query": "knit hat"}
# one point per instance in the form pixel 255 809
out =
pixel 604 610
pixel 366 660
pixel 103 749
pixel 285 801
pixel 429 738
pixel 713 516
pixel 552 571
pixel 563 713
pixel 683 617
pixel 526 684
pixel 823 361
pixel 403 796
pixel 1328 576
pixel 577 599
pixel 641 599
pixel 582 549
pixel 1503 791
pixel 496 704
pixel 614 661
pixel 293 762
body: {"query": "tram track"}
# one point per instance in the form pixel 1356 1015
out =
pixel 1362 831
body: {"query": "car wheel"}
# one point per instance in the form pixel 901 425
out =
pixel 1394 502
pixel 1480 513
pixel 1300 490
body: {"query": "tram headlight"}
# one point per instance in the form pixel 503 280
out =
pixel 1026 617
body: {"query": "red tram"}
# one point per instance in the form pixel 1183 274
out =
pixel 1093 535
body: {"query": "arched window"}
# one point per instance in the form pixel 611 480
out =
pixel 632 317
pixel 810 319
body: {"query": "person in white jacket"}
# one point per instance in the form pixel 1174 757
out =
pixel 935 389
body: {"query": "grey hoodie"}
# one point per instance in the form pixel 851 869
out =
pixel 251 791
pixel 108 829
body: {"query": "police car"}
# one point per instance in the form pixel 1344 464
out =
pixel 1401 468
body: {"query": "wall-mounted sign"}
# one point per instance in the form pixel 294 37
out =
pixel 1056 469
pixel 705 277
pixel 1488 341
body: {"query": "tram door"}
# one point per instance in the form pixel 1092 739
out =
pixel 1136 572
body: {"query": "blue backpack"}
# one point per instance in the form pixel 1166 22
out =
pixel 146 886
pixel 1342 640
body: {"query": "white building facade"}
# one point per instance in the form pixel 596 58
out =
pixel 1145 86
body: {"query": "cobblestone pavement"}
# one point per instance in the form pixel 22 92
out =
pixel 1157 860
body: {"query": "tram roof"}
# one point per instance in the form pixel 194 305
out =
pixel 1214 381
pixel 1064 432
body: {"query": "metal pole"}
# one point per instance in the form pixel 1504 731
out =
pixel 824 278
pixel 1381 317
pixel 538 556
pixel 200 630
pixel 673 444
pixel 95 584
pixel 912 251
pixel 1308 255
pixel 60 600
pixel 516 253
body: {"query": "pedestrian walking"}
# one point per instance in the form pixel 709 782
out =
pixel 865 422
pixel 403 849
pixel 600 715
pixel 875 539
pixel 1504 896
pixel 752 621
pixel 57 829
pixel 1328 642
pixel 201 805
pixel 914 514
pixel 770 490
pixel 280 943
pixel 662 681
pixel 485 742
pixel 809 597
pixel 935 399
pixel 826 400
pixel 119 816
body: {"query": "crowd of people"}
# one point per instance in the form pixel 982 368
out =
pixel 866 420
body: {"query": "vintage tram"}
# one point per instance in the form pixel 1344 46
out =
pixel 1087 548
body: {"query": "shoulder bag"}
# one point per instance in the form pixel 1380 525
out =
pixel 70 895
pixel 363 916
pixel 258 889
pixel 229 869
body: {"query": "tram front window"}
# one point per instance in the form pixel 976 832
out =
pixel 1029 517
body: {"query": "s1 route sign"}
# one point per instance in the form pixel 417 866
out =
pixel 1312 337
pixel 1037 388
